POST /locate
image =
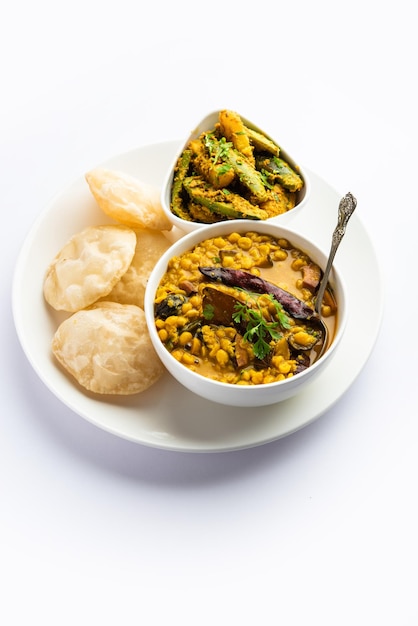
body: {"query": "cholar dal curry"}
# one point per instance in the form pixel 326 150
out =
pixel 240 309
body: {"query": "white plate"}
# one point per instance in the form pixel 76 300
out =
pixel 167 416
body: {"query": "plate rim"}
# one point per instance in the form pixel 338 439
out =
pixel 174 444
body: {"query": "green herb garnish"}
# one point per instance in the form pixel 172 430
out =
pixel 264 175
pixel 208 312
pixel 223 169
pixel 259 331
pixel 218 150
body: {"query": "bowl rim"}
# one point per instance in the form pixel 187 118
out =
pixel 192 238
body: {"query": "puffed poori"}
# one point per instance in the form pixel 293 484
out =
pixel 107 349
pixel 98 278
pixel 127 200
pixel 130 289
pixel 88 266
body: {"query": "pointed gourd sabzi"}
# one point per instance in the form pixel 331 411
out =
pixel 233 171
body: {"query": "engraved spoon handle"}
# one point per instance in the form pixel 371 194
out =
pixel 345 210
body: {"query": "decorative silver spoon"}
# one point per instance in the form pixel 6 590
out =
pixel 345 210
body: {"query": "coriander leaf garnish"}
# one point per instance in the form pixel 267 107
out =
pixel 259 331
pixel 265 179
pixel 224 169
pixel 218 149
pixel 208 312
pixel 281 315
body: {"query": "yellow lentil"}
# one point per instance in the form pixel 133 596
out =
pixel 298 264
pixel 163 335
pixel 188 359
pixel 245 243
pixel 185 338
pixel 222 356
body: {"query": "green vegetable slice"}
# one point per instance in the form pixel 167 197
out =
pixel 231 204
pixel 280 171
pixel 261 142
pixel 182 167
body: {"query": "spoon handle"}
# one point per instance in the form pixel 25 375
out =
pixel 345 210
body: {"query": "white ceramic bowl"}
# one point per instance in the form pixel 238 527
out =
pixel 241 395
pixel 208 123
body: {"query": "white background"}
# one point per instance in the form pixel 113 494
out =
pixel 317 528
